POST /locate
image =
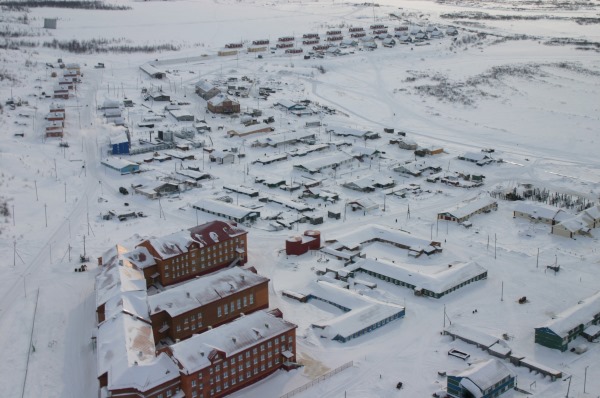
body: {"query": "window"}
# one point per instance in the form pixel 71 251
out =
pixel 231 307
pixel 262 357
pixel 255 361
pixel 247 364
pixel 226 385
pixel 239 304
pixel 270 364
pixel 169 393
pixel 193 383
pixel 218 368
pixel 251 298
pixel 248 374
pixel 256 370
pixel 255 351
pixel 225 374
pixel 269 344
pixel 240 377
pixel 245 301
pixel 276 340
pixel 241 367
pixel 218 378
pixel 262 347
pixel 247 354
pixel 225 364
pixel 226 309
pixel 240 357
pixel 211 370
pixel 262 367
pixel 233 361
pixel 219 311
pixel 233 381
pixel 179 328
pixel 194 394
pixel 232 371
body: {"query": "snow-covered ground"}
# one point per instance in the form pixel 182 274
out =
pixel 535 104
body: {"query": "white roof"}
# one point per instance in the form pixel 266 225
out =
pixel 363 311
pixel 472 334
pixel 580 314
pixel 123 340
pixel 292 204
pixel 241 189
pixel 231 338
pixel 117 163
pixel 538 210
pixel 315 165
pixel 196 175
pixel 475 156
pixel 115 279
pixel 437 279
pixel 204 235
pixel 201 291
pixel 485 374
pixel 219 99
pixel 118 138
pixel 271 158
pixel 218 206
pixel 280 138
pixel 353 239
pixel 205 86
pixel 465 210
pixel 349 131
pixel 132 302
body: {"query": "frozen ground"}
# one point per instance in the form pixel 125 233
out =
pixel 534 103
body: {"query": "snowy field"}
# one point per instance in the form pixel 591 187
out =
pixel 502 82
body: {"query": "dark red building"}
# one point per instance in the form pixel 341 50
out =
pixel 297 245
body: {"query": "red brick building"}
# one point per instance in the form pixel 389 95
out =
pixel 235 355
pixel 197 251
pixel 207 302
pixel 297 245
pixel 223 104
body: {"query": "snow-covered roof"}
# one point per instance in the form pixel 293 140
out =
pixel 118 163
pixel 131 302
pixel 219 99
pixel 116 279
pixel 125 350
pixel 205 86
pixel 315 165
pixel 201 291
pixel 289 203
pixel 475 156
pixel 353 239
pixel 140 257
pixel 241 189
pixel 288 136
pixel 471 207
pixel 465 332
pixel 118 138
pixel 123 341
pixel 204 235
pixel 348 131
pixel 231 338
pixel 580 314
pixel 220 207
pixel 362 311
pixel 365 202
pixel 541 211
pixel 196 175
pixel 484 375
pixel 437 279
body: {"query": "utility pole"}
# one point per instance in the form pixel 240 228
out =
pixel 537 262
pixel 502 292
pixel 494 246
pixel 569 387
pixel 65 192
pixel 55 172
pixel 36 191
pixel 585 378
pixel 46 214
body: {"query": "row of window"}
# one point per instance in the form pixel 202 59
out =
pixel 225 309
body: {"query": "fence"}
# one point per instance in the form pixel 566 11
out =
pixel 317 380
